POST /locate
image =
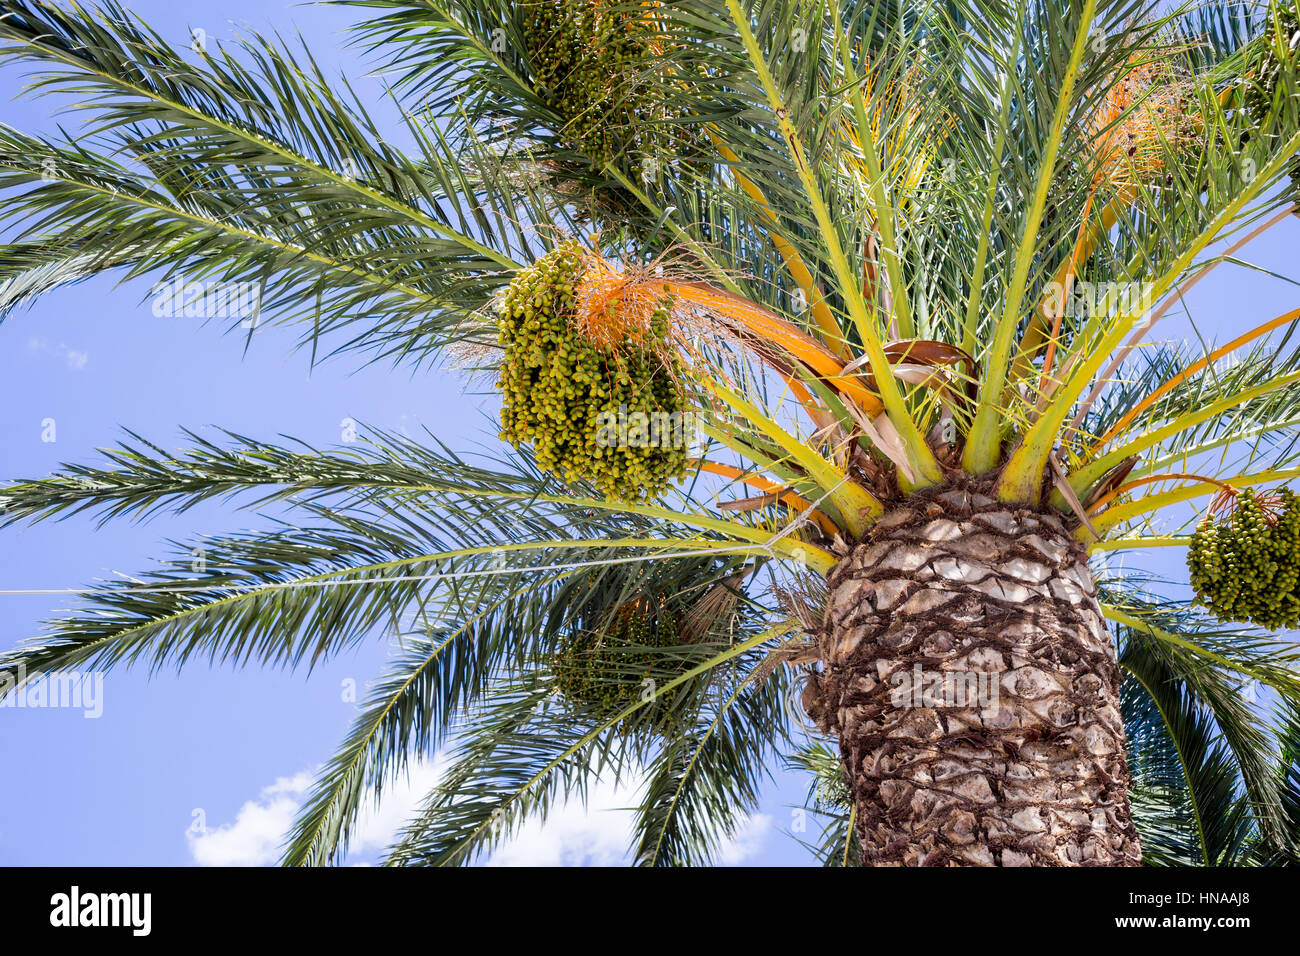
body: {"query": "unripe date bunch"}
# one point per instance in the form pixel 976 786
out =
pixel 1282 59
pixel 1283 45
pixel 586 57
pixel 608 670
pixel 565 395
pixel 1246 567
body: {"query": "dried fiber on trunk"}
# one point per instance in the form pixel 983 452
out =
pixel 973 685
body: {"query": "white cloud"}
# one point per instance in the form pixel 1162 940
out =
pixel 597 834
pixel 75 359
pixel 600 834
pixel 377 826
pixel 747 841
pixel 254 838
pixel 573 835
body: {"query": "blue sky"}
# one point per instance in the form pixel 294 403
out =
pixel 229 749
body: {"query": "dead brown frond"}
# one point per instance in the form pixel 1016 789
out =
pixel 806 604
pixel 714 608
pixel 795 651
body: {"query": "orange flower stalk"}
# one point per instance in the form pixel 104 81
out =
pixel 616 307
pixel 1137 123
pixel 795 502
pixel 769 327
pixel 1100 504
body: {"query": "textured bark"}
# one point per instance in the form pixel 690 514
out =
pixel 1028 767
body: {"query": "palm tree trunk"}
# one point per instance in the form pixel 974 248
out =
pixel 972 683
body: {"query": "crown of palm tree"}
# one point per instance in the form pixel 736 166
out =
pixel 871 222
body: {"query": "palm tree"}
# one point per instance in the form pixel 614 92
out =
pixel 891 262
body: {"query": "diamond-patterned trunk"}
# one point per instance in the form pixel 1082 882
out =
pixel 972 683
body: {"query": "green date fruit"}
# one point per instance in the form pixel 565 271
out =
pixel 1246 567
pixel 573 401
